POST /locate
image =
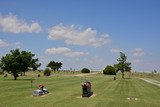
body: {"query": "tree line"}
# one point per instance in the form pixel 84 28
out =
pixel 18 62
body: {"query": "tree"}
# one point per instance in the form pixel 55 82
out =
pixel 110 70
pixel 35 65
pixel 58 65
pixel 85 70
pixel 123 65
pixel 47 72
pixel 54 65
pixel 17 62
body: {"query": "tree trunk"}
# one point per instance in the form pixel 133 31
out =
pixel 123 75
pixel 54 70
pixel 15 76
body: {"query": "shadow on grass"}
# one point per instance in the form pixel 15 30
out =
pixel 10 79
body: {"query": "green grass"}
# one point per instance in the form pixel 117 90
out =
pixel 148 75
pixel 65 88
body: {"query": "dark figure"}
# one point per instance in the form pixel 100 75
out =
pixel 39 75
pixel 41 87
pixel 86 89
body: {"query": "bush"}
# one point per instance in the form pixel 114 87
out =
pixel 109 70
pixel 47 72
pixel 85 70
pixel 39 75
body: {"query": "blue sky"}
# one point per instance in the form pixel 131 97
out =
pixel 83 33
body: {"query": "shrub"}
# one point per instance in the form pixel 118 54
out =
pixel 39 75
pixel 85 70
pixel 109 70
pixel 47 72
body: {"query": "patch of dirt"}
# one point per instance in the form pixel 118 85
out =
pixel 86 97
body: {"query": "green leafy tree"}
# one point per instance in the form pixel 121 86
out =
pixel 58 65
pixel 52 65
pixel 55 66
pixel 109 70
pixel 85 70
pixel 17 62
pixel 35 65
pixel 123 65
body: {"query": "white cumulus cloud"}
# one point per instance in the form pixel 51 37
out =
pixel 61 50
pixel 73 35
pixel 76 54
pixel 12 24
pixel 3 43
pixel 64 51
pixel 114 50
pixel 138 52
